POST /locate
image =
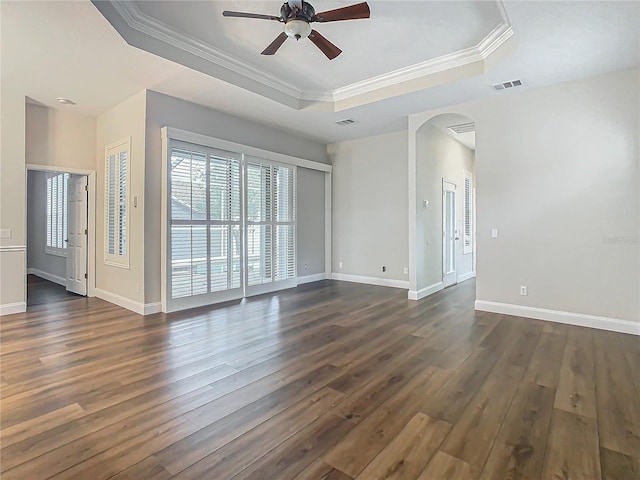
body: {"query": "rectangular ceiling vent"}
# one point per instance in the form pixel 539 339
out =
pixel 505 85
pixel 463 128
pixel 346 121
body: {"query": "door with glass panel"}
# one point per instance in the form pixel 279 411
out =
pixel 205 226
pixel 270 226
pixel 231 226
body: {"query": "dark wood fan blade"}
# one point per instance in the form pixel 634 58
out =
pixel 328 48
pixel 353 12
pixel 227 13
pixel 275 45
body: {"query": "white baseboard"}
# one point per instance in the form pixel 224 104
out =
pixel 466 276
pixel 11 308
pixel 47 276
pixel 426 291
pixel 151 308
pixel 316 277
pixel 120 301
pixel 570 318
pixel 383 282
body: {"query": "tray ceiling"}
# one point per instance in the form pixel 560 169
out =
pixel 405 46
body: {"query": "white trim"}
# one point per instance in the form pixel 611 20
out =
pixel 13 248
pixel 115 259
pixel 91 217
pixel 426 291
pixel 328 176
pixel 148 26
pixel 466 276
pixel 383 282
pixel 151 308
pixel 11 308
pixel 123 302
pixel 570 318
pixel 213 142
pixel 316 277
pixel 47 276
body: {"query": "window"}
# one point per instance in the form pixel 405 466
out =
pixel 117 204
pixel 57 213
pixel 231 226
pixel 468 213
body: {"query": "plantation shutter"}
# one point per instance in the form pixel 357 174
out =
pixel 468 214
pixel 57 213
pixel 117 204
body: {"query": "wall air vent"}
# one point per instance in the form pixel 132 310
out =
pixel 463 128
pixel 346 121
pixel 505 85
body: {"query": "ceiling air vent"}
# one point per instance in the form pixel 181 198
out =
pixel 463 128
pixel 505 85
pixel 346 121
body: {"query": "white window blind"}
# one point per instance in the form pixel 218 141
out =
pixel 57 213
pixel 117 204
pixel 468 214
pixel 205 221
pixel 270 222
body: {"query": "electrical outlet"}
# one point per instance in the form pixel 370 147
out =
pixel 339 264
pixel 523 290
pixel 306 266
pixel 384 269
pixel 494 233
pixel 406 270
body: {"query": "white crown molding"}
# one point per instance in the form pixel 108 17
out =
pixel 147 25
pixel 569 318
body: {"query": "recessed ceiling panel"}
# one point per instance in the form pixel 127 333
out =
pixel 399 34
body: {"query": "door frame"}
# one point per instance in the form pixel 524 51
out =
pixel 449 183
pixel 91 216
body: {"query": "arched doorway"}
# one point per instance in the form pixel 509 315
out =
pixel 444 238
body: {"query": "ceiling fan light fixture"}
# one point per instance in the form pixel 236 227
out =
pixel 297 29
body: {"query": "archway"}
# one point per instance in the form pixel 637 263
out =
pixel 444 199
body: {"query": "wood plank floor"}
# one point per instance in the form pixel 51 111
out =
pixel 332 380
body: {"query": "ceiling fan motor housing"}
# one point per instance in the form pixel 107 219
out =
pixel 306 14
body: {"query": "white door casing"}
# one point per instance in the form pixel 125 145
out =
pixel 449 234
pixel 76 277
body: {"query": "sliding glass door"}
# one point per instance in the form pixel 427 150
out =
pixel 231 226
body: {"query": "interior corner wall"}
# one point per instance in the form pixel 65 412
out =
pixel 52 267
pixel 438 157
pixel 127 119
pixel 369 218
pixel 165 111
pixel 558 176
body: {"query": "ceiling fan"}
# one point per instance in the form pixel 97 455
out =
pixel 297 15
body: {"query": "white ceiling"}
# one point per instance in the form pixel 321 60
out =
pixel 68 49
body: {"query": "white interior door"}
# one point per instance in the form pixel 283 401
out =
pixel 449 234
pixel 76 278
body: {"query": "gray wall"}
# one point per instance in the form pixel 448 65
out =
pixel 162 111
pixel 310 221
pixel 370 206
pixel 439 156
pixel 37 258
pixel 558 176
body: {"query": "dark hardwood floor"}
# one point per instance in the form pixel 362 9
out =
pixel 331 381
pixel 41 291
